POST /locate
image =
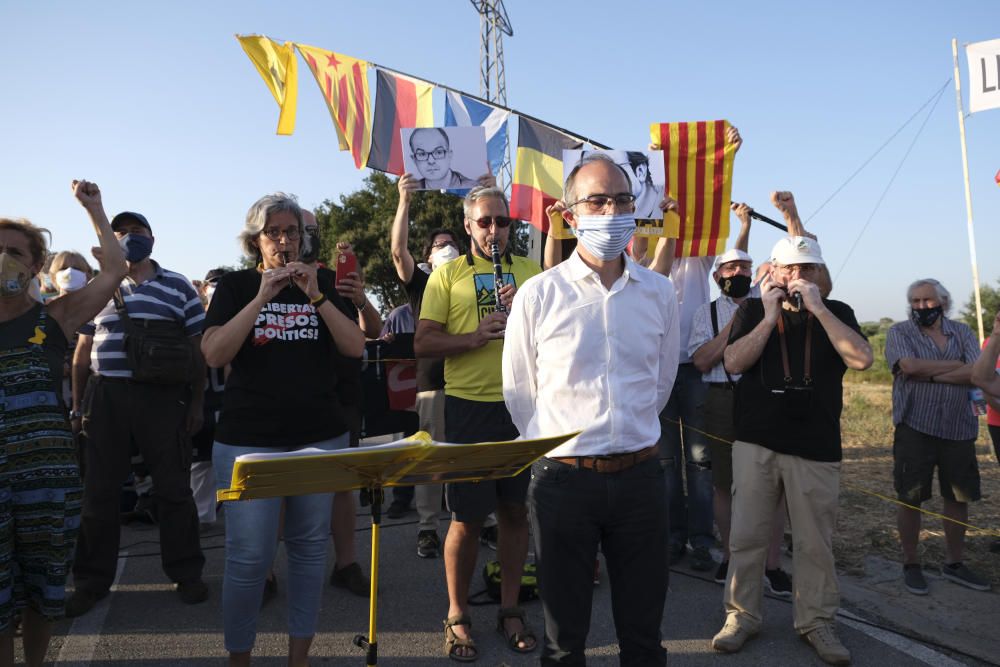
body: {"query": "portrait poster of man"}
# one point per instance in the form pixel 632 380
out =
pixel 445 158
pixel 645 173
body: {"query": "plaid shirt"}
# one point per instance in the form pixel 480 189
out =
pixel 938 409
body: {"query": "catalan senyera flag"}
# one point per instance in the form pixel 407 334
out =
pixel 278 66
pixel 698 165
pixel 538 171
pixel 344 83
pixel 399 102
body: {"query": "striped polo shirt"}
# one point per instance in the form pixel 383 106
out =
pixel 166 296
pixel 933 408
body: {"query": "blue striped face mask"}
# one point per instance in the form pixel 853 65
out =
pixel 605 236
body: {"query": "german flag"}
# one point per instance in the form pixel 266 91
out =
pixel 344 84
pixel 698 166
pixel 399 102
pixel 538 172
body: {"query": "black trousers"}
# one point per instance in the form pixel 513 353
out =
pixel 118 413
pixel 573 511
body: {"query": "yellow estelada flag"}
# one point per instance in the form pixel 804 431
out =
pixel 278 66
pixel 344 83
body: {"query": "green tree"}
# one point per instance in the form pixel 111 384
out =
pixel 364 218
pixel 991 304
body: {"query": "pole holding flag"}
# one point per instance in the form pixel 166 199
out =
pixel 968 192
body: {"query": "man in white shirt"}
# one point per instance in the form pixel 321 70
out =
pixel 592 345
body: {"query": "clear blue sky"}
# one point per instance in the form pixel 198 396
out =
pixel 160 106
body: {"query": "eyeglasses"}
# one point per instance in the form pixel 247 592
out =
pixel 801 268
pixel 501 221
pixel 442 244
pixel 600 202
pixel 273 233
pixel 438 153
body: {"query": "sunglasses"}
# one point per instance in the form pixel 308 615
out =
pixel 501 221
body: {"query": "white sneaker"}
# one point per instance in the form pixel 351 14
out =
pixel 733 635
pixel 828 647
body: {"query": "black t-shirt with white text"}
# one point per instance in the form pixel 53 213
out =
pixel 430 372
pixel 789 417
pixel 282 389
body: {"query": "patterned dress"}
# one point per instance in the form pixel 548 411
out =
pixel 40 488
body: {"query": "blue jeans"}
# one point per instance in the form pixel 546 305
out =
pixel 251 543
pixel 691 517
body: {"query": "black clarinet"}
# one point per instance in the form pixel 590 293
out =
pixel 497 276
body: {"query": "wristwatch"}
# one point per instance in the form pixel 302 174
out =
pixel 75 414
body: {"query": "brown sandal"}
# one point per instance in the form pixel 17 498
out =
pixel 515 638
pixel 452 642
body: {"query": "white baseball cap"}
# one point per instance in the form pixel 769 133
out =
pixel 796 250
pixel 732 255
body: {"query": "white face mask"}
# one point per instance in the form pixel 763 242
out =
pixel 70 279
pixel 605 236
pixel 442 256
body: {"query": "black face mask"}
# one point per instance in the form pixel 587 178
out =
pixel 735 287
pixel 926 317
pixel 310 248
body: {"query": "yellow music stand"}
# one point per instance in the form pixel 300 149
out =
pixel 414 460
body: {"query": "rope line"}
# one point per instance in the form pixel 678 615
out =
pixel 852 487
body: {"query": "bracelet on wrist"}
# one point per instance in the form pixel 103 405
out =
pixel 317 299
pixel 320 302
pixel 363 305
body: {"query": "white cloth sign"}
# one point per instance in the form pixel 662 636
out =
pixel 984 75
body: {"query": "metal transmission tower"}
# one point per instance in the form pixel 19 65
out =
pixel 494 24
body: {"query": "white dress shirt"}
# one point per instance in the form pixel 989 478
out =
pixel 690 276
pixel 578 356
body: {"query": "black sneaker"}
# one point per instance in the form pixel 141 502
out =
pixel 82 601
pixel 913 579
pixel 192 592
pixel 676 552
pixel 489 537
pixel 270 589
pixel 721 572
pixel 428 544
pixel 963 576
pixel 352 578
pixel 777 582
pixel 397 510
pixel 701 559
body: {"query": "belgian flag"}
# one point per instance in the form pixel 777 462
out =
pixel 538 172
pixel 399 102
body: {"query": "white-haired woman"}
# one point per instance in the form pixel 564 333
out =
pixel 280 326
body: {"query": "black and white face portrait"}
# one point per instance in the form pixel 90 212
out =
pixel 644 170
pixel 445 158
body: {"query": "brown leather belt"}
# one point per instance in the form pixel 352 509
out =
pixel 609 464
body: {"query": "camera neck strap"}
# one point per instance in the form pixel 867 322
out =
pixel 807 366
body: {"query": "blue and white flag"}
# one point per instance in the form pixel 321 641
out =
pixel 462 111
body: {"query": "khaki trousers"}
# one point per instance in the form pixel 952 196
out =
pixel 811 489
pixel 430 410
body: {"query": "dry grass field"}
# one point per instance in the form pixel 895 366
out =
pixel 867 524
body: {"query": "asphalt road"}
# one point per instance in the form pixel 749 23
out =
pixel 143 623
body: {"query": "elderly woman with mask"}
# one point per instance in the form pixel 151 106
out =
pixel 40 488
pixel 281 327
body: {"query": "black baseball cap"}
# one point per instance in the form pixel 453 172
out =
pixel 126 216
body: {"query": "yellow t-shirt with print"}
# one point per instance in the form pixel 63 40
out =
pixel 458 296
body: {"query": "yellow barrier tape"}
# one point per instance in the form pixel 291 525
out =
pixel 896 501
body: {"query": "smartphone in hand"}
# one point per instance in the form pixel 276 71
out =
pixel 347 262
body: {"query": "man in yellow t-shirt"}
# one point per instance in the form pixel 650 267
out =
pixel 460 322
